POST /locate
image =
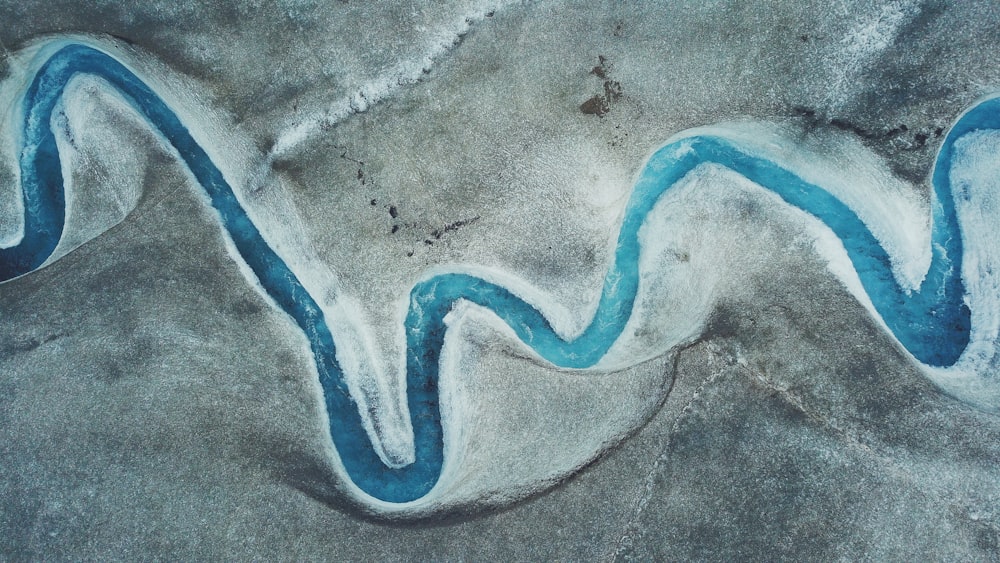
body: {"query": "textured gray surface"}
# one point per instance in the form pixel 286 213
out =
pixel 153 405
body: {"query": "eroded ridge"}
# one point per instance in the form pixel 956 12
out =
pixel 932 323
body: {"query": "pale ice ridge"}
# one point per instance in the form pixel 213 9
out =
pixel 437 43
pixel 120 190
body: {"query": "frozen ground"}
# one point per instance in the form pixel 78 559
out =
pixel 154 404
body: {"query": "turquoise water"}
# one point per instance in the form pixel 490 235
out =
pixel 932 323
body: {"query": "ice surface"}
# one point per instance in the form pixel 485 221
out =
pixel 399 463
pixel 184 393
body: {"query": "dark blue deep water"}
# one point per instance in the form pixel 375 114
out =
pixel 932 323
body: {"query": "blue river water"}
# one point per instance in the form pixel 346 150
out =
pixel 933 323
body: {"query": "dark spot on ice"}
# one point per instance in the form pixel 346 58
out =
pixel 595 106
pixel 814 120
pixel 803 111
pixel 600 104
pixel 27 345
pixel 845 125
pixel 393 212
pixel 612 90
pixel 395 228
pixel 437 233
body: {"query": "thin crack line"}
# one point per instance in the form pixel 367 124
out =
pixel 130 222
pixel 945 497
pixel 627 538
pixel 626 541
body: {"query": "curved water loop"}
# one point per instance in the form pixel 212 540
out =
pixel 932 323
